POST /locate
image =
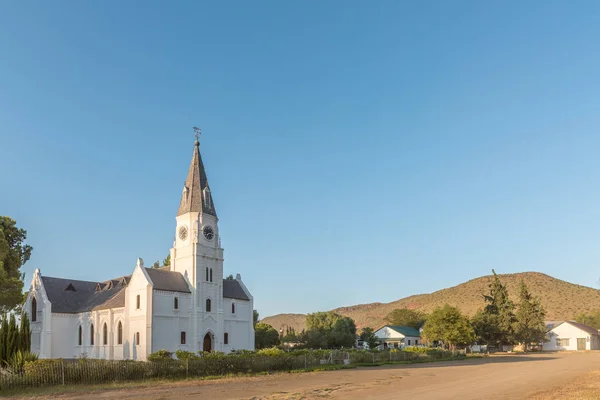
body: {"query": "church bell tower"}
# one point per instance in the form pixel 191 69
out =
pixel 197 252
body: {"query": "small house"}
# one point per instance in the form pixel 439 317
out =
pixel 570 335
pixel 392 336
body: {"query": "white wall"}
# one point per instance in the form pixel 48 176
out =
pixel 568 331
pixel 138 320
pixel 168 323
pixel 387 334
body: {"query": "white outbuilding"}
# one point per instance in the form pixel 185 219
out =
pixel 391 336
pixel 571 335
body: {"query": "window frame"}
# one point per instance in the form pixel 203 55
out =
pixel 182 337
pixel 91 334
pixel 33 309
pixel 208 305
pixel 138 302
pixel 105 335
pixel 80 336
pixel 120 333
pixel 176 303
pixel 137 338
pixel 225 338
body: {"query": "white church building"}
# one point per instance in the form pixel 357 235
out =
pixel 187 305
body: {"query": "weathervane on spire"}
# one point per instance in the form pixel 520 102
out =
pixel 197 133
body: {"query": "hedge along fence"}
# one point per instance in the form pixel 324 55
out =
pixel 54 372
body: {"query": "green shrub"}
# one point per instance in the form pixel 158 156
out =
pixel 272 351
pixel 160 355
pixel 186 355
pixel 17 362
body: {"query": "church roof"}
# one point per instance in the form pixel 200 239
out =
pixel 72 296
pixel 169 281
pixel 196 196
pixel 233 290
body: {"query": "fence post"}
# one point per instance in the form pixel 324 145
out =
pixel 187 367
pixel 305 362
pixel 62 367
pixel 373 357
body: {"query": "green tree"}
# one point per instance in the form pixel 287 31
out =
pixel 25 333
pixel 3 338
pixel 167 261
pixel 406 317
pixel 329 330
pixel 447 324
pixel 290 335
pixel 368 337
pixel 13 254
pixel 156 264
pixel 487 330
pixel 12 337
pixel 255 317
pixel 229 277
pixel 265 336
pixel 500 311
pixel 590 319
pixel 529 326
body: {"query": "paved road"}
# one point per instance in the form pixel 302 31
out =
pixel 502 377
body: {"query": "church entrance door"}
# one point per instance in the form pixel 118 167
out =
pixel 207 343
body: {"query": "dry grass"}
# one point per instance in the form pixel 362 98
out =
pixel 562 300
pixel 584 388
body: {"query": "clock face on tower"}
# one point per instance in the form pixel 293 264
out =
pixel 183 233
pixel 208 232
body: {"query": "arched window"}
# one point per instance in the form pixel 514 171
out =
pixel 207 198
pixel 80 336
pixel 226 338
pixel 182 337
pixel 33 309
pixel 120 333
pixel 211 275
pixel 207 305
pixel 137 338
pixel 233 308
pixel 92 334
pixel 206 274
pixel 176 303
pixel 137 302
pixel 105 335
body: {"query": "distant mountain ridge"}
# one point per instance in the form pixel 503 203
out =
pixel 561 299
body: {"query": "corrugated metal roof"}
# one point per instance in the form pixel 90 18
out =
pixel 405 330
pixel 233 290
pixel 169 281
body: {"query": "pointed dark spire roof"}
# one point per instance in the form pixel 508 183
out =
pixel 196 194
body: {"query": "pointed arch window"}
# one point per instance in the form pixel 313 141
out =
pixel 211 275
pixel 226 338
pixel 207 274
pixel 92 334
pixel 33 309
pixel 120 333
pixel 137 338
pixel 80 336
pixel 207 198
pixel 137 302
pixel 208 304
pixel 105 334
pixel 233 308
pixel 176 303
pixel 182 337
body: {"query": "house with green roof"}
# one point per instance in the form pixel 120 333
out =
pixel 392 336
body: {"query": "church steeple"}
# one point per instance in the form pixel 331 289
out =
pixel 196 196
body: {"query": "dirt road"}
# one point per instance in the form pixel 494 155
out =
pixel 501 377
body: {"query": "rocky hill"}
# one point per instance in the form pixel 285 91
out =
pixel 562 300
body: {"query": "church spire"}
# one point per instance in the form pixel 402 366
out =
pixel 196 196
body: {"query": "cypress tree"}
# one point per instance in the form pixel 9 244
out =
pixel 3 328
pixel 500 312
pixel 530 326
pixel 13 337
pixel 25 333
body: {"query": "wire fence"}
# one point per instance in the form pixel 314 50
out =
pixel 56 372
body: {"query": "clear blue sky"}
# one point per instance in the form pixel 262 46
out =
pixel 356 151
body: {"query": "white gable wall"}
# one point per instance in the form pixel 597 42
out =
pixel 572 333
pixel 168 323
pixel 389 335
pixel 138 320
